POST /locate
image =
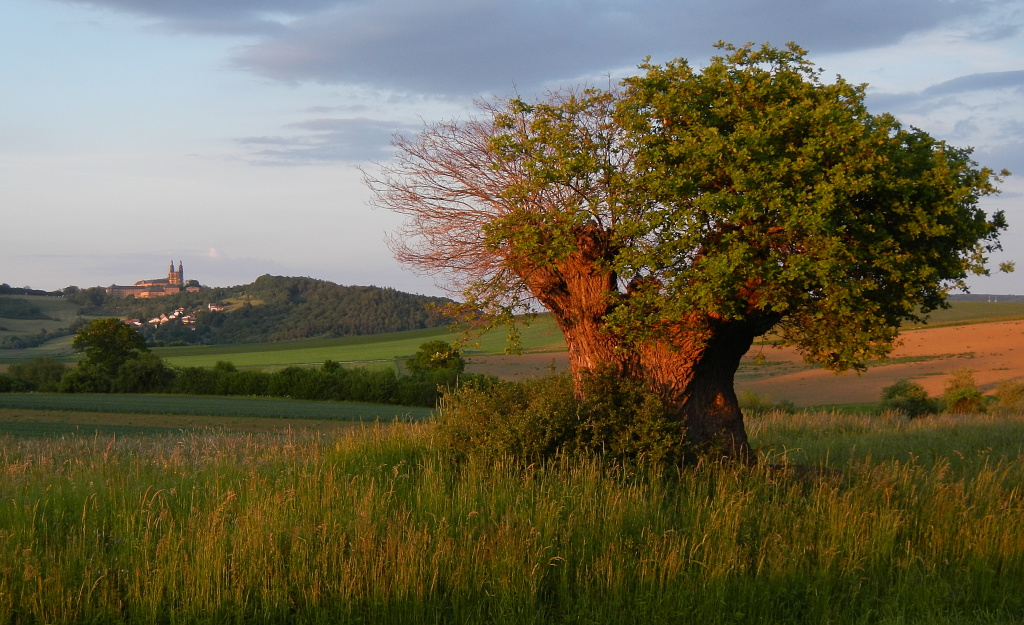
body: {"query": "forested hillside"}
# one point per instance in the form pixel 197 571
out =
pixel 296 308
pixel 273 308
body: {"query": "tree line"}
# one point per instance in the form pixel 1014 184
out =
pixel 116 359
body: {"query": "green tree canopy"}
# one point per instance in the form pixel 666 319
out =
pixel 434 355
pixel 108 343
pixel 669 222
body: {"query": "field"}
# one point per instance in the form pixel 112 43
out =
pixel 37 414
pixel 987 338
pixel 922 525
pixel 540 336
pixel 174 509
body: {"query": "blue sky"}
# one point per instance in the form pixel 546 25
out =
pixel 228 133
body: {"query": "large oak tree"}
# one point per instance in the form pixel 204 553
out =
pixel 668 222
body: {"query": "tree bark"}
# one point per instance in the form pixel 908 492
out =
pixel 691 366
pixel 695 377
pixel 580 293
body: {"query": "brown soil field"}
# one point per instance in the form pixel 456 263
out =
pixel 994 352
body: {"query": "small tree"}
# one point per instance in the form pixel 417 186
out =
pixel 1009 398
pixel 962 395
pixel 107 344
pixel 436 355
pixel 668 223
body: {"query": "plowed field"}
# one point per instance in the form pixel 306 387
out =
pixel 994 352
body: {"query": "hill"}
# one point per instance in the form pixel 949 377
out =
pixel 31 320
pixel 273 308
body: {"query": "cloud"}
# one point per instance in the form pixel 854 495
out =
pixel 222 17
pixel 977 82
pixel 326 140
pixel 466 47
pixel 463 47
pixel 979 110
pixel 959 86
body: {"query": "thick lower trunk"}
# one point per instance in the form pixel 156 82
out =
pixel 694 372
pixel 691 366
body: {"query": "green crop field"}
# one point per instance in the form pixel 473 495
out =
pixel 962 313
pixel 919 522
pixel 210 406
pixel 539 336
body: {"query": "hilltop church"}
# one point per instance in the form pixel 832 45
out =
pixel 173 284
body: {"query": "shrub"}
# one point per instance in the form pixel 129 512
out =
pixel 11 384
pixel 85 379
pixel 1009 398
pixel 962 395
pixel 434 355
pixel 146 373
pixel 752 404
pixel 537 419
pixel 252 383
pixel 908 398
pixel 196 381
pixel 372 385
pixel 529 420
pixel 39 374
pixel 224 366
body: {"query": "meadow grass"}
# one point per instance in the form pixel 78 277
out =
pixel 377 526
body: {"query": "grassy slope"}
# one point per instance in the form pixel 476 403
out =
pixel 61 313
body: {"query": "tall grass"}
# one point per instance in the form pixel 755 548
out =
pixel 375 526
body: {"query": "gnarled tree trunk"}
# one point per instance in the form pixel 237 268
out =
pixel 695 376
pixel 692 365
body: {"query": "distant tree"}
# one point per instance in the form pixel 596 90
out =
pixel 908 398
pixel 146 373
pixel 668 223
pixel 434 355
pixel 107 344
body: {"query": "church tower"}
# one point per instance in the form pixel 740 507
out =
pixel 176 277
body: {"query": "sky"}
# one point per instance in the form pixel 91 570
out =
pixel 229 134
